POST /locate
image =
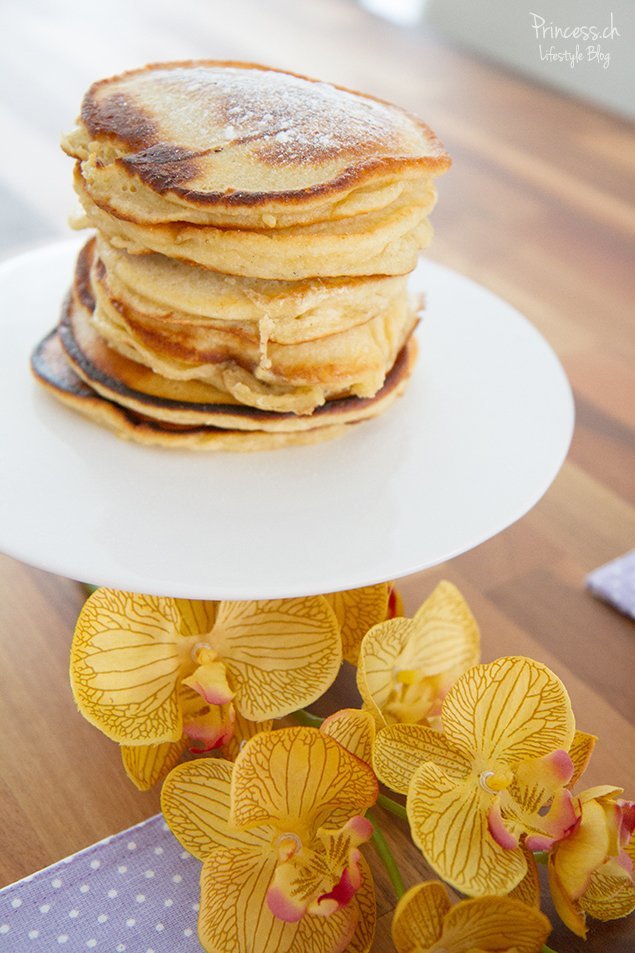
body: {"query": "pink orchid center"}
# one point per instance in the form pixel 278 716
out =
pixel 343 891
pixel 206 674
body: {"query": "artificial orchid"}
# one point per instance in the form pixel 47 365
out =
pixel 278 832
pixel 426 921
pixel 591 870
pixel 498 772
pixel 406 666
pixel 488 756
pixel 151 671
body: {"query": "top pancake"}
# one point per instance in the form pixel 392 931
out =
pixel 224 143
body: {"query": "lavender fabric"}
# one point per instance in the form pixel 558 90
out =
pixel 136 892
pixel 615 583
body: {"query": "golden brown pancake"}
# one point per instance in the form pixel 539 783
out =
pixel 227 143
pixel 290 312
pixel 381 242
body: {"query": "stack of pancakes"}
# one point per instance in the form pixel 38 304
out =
pixel 247 286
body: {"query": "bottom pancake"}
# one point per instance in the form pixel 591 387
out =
pixel 52 369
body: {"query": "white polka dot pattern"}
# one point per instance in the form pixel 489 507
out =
pixel 615 583
pixel 136 892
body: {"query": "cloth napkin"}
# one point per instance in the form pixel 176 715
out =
pixel 136 892
pixel 615 583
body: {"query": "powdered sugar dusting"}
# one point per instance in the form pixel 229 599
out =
pixel 288 119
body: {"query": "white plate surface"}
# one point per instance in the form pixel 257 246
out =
pixel 480 434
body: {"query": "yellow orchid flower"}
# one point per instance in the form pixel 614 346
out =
pixel 497 772
pixel 358 610
pixel 426 921
pixel 591 870
pixel 278 832
pixel 406 666
pixel 148 670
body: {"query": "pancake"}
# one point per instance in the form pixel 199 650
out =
pixel 52 370
pixel 354 361
pixel 382 242
pixel 290 312
pixel 243 145
pixel 135 387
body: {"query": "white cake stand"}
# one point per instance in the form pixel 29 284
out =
pixel 479 436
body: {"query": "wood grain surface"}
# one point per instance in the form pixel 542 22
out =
pixel 535 208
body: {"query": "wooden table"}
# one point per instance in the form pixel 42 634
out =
pixel 534 208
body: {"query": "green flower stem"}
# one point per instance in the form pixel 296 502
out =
pixel 547 949
pixel 386 856
pixel 541 856
pixel 304 717
pixel 393 807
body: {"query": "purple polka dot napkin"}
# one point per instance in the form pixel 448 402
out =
pixel 136 892
pixel 615 583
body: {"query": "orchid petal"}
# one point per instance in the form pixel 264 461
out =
pixel 610 894
pixel 418 919
pixel 492 924
pixel 511 710
pixel 365 905
pixel 567 910
pixel 496 827
pixel 125 666
pixel 213 727
pixel 244 729
pixel 195 803
pixel 354 730
pixel 357 611
pixel 449 823
pixel 281 654
pixel 528 890
pixel 400 749
pixel 209 680
pixel 235 915
pixel 146 765
pixel 299 777
pixel 559 822
pixel 395 602
pixel 599 792
pixel 197 617
pixel 537 783
pixel 379 651
pixel 577 857
pixel 580 752
pixel 446 638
